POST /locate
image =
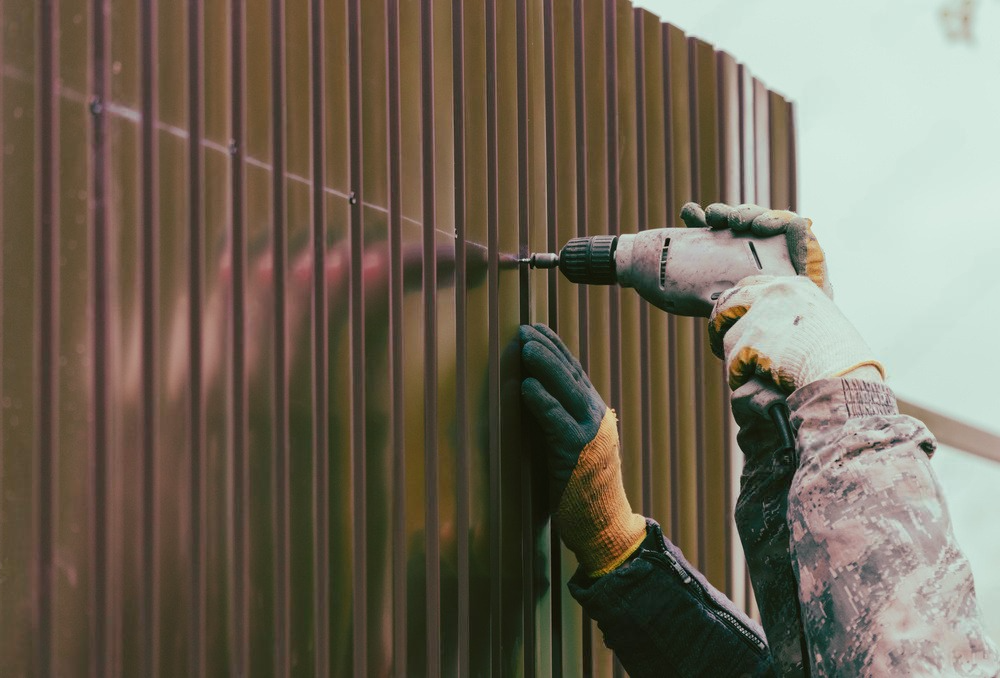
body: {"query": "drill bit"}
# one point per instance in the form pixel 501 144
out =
pixel 541 260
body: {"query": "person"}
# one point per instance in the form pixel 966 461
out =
pixel 848 541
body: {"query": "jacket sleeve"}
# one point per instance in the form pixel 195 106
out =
pixel 663 618
pixel 883 586
pixel 761 519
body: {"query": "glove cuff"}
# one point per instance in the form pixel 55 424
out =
pixel 594 517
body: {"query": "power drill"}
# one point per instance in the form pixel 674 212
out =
pixel 681 271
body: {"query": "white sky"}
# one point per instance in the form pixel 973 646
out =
pixel 899 138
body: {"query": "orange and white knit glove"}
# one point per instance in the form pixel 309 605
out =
pixel 785 330
pixel 592 512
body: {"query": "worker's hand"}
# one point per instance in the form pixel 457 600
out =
pixel 807 256
pixel 785 330
pixel 559 395
pixel 581 437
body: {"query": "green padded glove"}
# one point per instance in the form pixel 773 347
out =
pixel 559 395
pixel 581 436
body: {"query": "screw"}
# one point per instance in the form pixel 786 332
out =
pixel 233 148
pixel 96 106
pixel 352 198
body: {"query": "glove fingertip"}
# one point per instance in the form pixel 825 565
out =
pixel 540 403
pixel 717 215
pixel 693 215
pixel 720 323
pixel 741 217
pixel 530 388
pixel 549 334
pixel 558 346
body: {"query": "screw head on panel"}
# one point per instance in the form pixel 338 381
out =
pixel 352 198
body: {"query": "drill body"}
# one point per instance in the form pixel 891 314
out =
pixel 678 270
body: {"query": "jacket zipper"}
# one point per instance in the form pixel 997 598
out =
pixel 720 612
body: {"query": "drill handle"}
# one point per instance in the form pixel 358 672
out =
pixel 684 270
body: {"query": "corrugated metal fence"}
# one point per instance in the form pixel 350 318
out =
pixel 260 404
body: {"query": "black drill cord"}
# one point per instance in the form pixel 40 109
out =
pixel 780 417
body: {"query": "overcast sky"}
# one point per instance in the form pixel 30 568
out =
pixel 899 141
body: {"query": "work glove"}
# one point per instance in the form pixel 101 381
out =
pixel 803 247
pixel 592 513
pixel 786 331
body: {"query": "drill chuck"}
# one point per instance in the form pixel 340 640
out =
pixel 590 260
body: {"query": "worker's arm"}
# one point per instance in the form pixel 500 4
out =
pixel 883 586
pixel 760 513
pixel 769 466
pixel 659 615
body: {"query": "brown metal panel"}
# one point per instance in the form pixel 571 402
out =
pixel 377 388
pixel 729 127
pixel 463 609
pixel 628 333
pixel 396 330
pixel 645 372
pixel 299 370
pixel 713 409
pixel 432 563
pixel 564 200
pixel 612 197
pixel 279 258
pixel 653 203
pixel 683 402
pixel 535 298
pixel 762 144
pixel 493 354
pixel 261 359
pixel 552 214
pixel 71 650
pixel 582 213
pixel 412 173
pixel 101 663
pixel 19 289
pixel 340 413
pixel 148 535
pixel 446 446
pixel 780 135
pixel 761 192
pixel 240 464
pixel 526 227
pixel 510 312
pixel 196 426
pixel 472 156
pixel 634 329
pixel 730 192
pixel 126 486
pixel 47 270
pixel 171 330
pixel 594 69
pixel 748 178
pixel 320 374
pixel 793 167
pixel 357 343
pixel 217 367
pixel 747 186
